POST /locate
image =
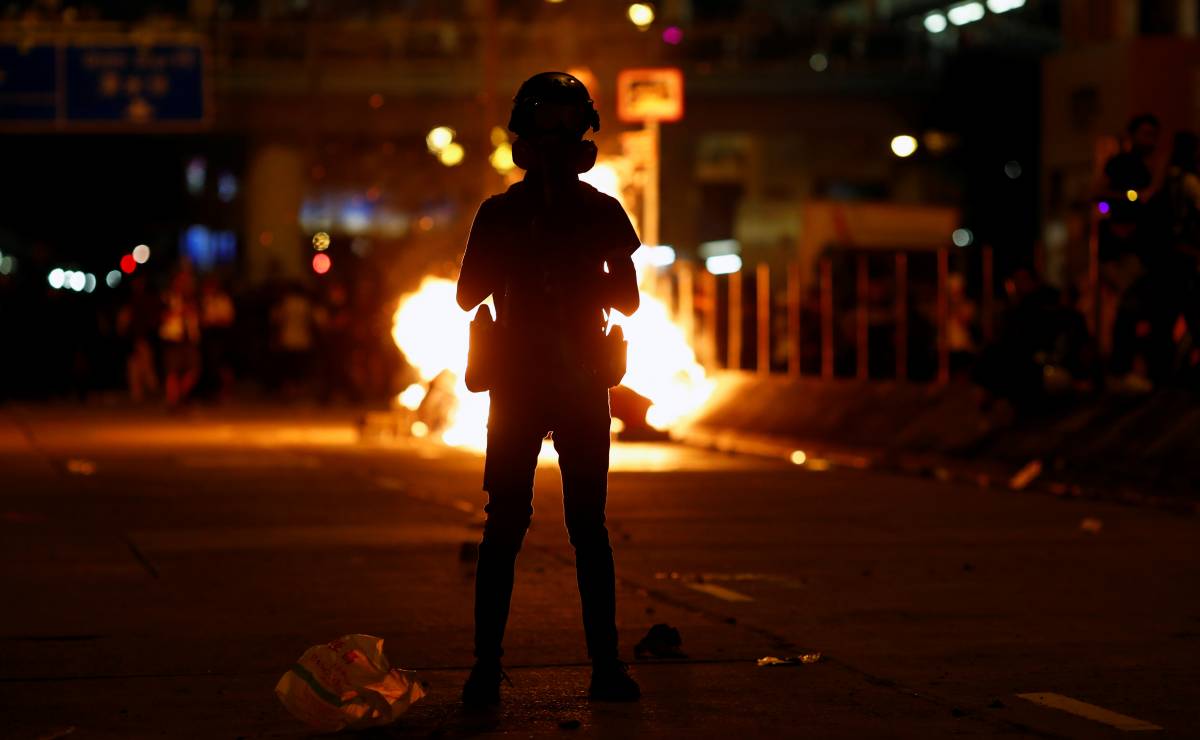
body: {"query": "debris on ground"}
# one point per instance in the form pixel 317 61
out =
pixel 79 466
pixel 1025 475
pixel 806 659
pixel 1091 525
pixel 348 683
pixel 661 641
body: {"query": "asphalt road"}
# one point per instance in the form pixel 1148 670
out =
pixel 160 573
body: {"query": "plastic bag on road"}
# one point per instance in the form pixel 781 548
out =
pixel 348 683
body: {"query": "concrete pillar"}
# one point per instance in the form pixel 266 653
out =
pixel 272 243
pixel 1189 10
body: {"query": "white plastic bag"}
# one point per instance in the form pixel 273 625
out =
pixel 348 683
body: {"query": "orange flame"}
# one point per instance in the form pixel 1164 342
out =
pixel 432 332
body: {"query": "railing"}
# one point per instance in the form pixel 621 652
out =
pixel 867 314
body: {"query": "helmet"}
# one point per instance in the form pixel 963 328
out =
pixel 552 100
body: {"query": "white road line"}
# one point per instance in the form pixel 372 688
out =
pixel 1090 711
pixel 725 594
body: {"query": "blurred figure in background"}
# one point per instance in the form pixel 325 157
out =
pixel 217 315
pixel 960 320
pixel 179 330
pixel 1172 267
pixel 138 323
pixel 1125 236
pixel 293 322
pixel 335 326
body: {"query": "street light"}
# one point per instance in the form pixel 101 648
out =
pixel 1003 6
pixel 439 138
pixel 451 154
pixel 904 145
pixel 642 15
pixel 935 22
pixel 723 264
pixel 964 13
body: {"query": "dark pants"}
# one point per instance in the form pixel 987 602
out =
pixel 517 423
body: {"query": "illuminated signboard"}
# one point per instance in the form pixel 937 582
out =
pixel 650 94
pixel 94 85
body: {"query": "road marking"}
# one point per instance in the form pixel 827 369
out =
pixel 1090 711
pixel 725 594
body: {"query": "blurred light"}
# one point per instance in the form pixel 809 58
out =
pixel 321 263
pixel 373 193
pixel 904 145
pixel 641 14
pixel 195 175
pixel 141 253
pixel 127 264
pixel 502 159
pixel 616 426
pixel 76 280
pixel 355 216
pixel 818 464
pixel 798 457
pixel 964 13
pixel 672 35
pixel 554 2
pixel 266 238
pixel 935 23
pixel 320 241
pixel 411 397
pixel 1102 206
pixel 719 247
pixel 113 278
pixel 89 283
pixel 962 237
pixel 8 264
pixel 604 178
pixel 452 154
pixel 1003 6
pixel 1132 195
pixel 419 429
pixel 937 141
pixel 661 255
pixel 375 101
pixel 227 187
pixel 1012 168
pixel 818 62
pixel 439 138
pixel 425 223
pixel 659 418
pixel 57 278
pixel 723 264
pixel 499 136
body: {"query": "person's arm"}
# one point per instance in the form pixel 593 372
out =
pixel 475 277
pixel 621 282
pixel 623 287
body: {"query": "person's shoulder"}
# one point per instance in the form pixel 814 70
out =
pixel 599 200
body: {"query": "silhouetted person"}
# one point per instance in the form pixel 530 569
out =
pixel 1171 284
pixel 540 250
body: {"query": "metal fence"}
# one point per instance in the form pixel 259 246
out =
pixel 866 314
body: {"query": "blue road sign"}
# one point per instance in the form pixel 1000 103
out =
pixel 102 84
pixel 27 83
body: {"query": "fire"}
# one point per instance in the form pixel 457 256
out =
pixel 432 332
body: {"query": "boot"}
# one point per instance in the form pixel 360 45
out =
pixel 611 682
